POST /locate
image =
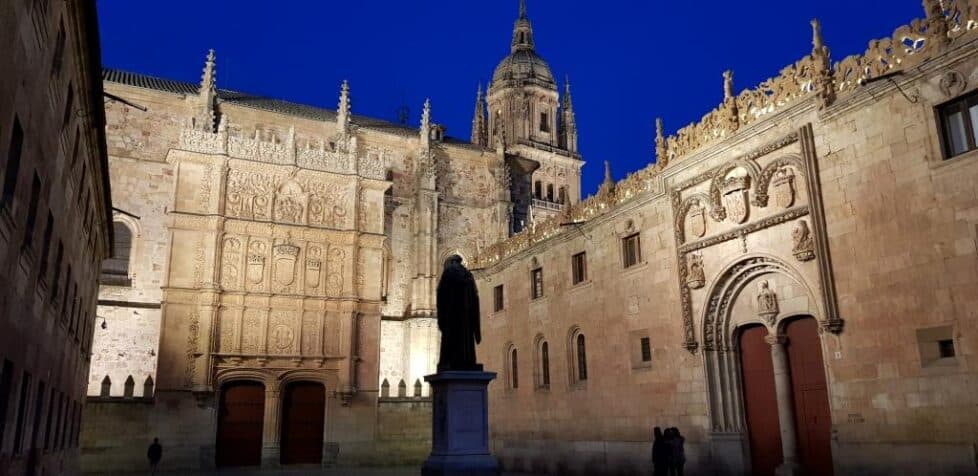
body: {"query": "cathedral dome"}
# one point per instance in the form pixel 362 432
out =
pixel 521 65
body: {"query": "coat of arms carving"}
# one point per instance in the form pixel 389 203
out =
pixel 285 256
pixel 784 188
pixel 697 221
pixel 256 268
pixel 313 267
pixel 735 198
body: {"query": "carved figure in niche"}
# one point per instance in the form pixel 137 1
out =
pixel 767 302
pixel 784 187
pixel 695 277
pixel 804 243
pixel 735 198
pixel 697 221
pixel 285 258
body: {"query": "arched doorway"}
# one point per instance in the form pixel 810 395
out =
pixel 303 415
pixel 760 401
pixel 813 417
pixel 239 425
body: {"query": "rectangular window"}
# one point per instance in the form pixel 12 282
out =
pixel 579 267
pixel 959 125
pixel 497 298
pixel 59 52
pixel 65 297
pixel 47 432
pixel 646 349
pixel 38 413
pixel 25 386
pixel 6 388
pixel 69 105
pixel 13 163
pixel 56 282
pixel 537 283
pixel 946 348
pixel 631 250
pixel 32 212
pixel 544 122
pixel 46 248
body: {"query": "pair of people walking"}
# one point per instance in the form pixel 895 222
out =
pixel 668 452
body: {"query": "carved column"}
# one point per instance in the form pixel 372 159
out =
pixel 786 410
pixel 270 448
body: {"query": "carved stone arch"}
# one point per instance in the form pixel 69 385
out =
pixel 508 363
pixel 719 212
pixel 124 254
pixel 225 376
pixel 700 199
pixel 538 341
pixel 719 333
pixel 764 179
pixel 302 375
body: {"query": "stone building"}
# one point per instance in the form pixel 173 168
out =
pixel 271 297
pixel 791 284
pixel 54 215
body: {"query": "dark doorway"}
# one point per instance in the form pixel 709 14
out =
pixel 239 424
pixel 303 415
pixel 760 401
pixel 813 419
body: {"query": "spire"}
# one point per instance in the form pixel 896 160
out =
pixel 821 67
pixel 479 128
pixel 728 85
pixel 568 122
pixel 661 152
pixel 343 109
pixel 522 31
pixel 817 42
pixel 207 94
pixel 425 130
pixel 608 181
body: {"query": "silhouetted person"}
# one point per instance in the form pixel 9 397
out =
pixel 155 454
pixel 677 452
pixel 660 453
pixel 458 317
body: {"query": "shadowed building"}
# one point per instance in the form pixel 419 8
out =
pixel 54 227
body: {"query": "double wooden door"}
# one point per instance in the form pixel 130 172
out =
pixel 241 413
pixel 303 415
pixel 809 392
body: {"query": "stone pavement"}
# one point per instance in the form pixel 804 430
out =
pixel 291 472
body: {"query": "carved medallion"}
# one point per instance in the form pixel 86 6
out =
pixel 803 243
pixel 282 337
pixel 285 257
pixel 697 221
pixel 256 268
pixel 953 83
pixel 334 284
pixel 784 188
pixel 695 278
pixel 735 198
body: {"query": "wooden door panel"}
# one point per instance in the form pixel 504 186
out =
pixel 241 415
pixel 303 412
pixel 813 418
pixel 760 401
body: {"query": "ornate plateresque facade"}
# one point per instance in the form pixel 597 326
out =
pixel 277 243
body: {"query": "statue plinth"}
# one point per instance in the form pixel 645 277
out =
pixel 460 425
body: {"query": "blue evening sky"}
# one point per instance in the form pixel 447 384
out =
pixel 628 60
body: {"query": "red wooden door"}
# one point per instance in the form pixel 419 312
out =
pixel 303 412
pixel 760 401
pixel 239 425
pixel 813 419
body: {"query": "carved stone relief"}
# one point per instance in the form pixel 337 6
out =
pixel 251 332
pixel 310 334
pixel 281 332
pixel 697 221
pixel 230 264
pixel 285 258
pixel 953 83
pixel 314 266
pixel 784 188
pixel 735 200
pixel 256 261
pixel 334 278
pixel 804 244
pixel 767 302
pixel 695 277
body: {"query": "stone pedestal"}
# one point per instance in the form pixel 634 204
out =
pixel 460 425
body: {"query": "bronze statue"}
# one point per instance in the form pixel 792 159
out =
pixel 458 317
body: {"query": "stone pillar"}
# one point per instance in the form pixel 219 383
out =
pixel 270 447
pixel 786 410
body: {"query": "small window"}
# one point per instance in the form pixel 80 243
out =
pixel 46 248
pixel 550 192
pixel 59 52
pixel 544 122
pixel 579 267
pixel 115 269
pixel 946 348
pixel 25 385
pixel 497 299
pixel 959 124
pixel 6 389
pixel 562 195
pixel 581 358
pixel 646 349
pixel 32 212
pixel 69 104
pixel 545 363
pixel 514 370
pixel 631 250
pixel 538 190
pixel 13 163
pixel 537 283
pixel 56 282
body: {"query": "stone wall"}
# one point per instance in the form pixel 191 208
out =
pixel 886 263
